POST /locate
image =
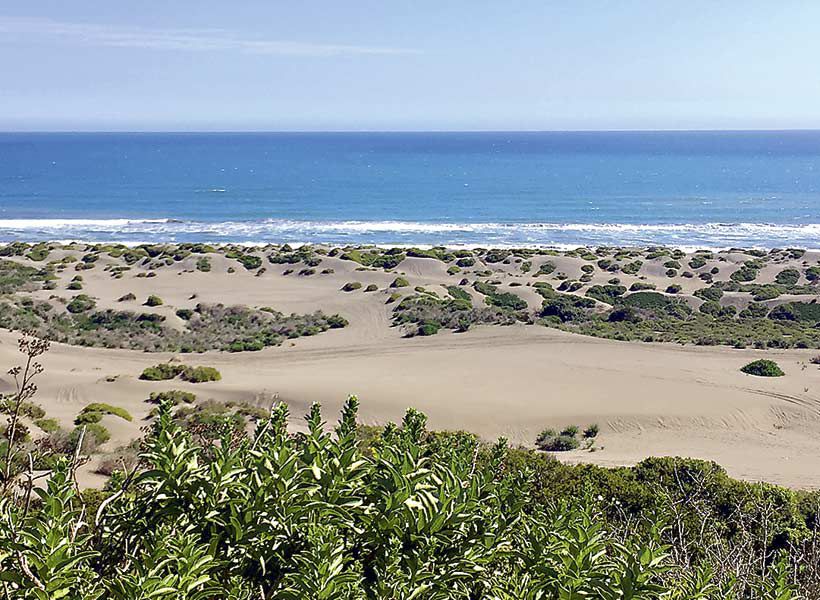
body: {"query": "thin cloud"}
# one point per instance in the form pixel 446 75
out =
pixel 188 40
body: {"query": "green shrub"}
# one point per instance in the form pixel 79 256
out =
pixel 591 431
pixel 47 425
pixel 428 328
pixel 162 372
pixel 172 397
pixel 80 303
pixel 127 298
pixel 788 277
pixel 153 300
pixel 86 417
pixel 107 409
pixel 763 368
pixel 673 289
pixel 200 374
pixel 399 282
pixel 351 286
pixel 607 293
pixel 711 293
pixel 371 288
pixel 249 261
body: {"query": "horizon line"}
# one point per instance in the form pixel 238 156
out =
pixel 406 131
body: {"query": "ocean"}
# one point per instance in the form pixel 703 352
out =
pixel 687 189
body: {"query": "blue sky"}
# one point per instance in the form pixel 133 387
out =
pixel 399 65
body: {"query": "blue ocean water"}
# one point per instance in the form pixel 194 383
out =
pixel 706 189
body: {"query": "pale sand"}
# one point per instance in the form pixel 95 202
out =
pixel 649 399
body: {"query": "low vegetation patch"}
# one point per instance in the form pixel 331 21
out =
pixel 763 368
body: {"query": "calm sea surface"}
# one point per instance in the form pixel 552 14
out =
pixel 711 189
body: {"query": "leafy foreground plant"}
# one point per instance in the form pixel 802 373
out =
pixel 315 515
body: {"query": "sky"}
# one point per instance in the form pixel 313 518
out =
pixel 205 65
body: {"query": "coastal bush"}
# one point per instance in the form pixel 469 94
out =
pixel 80 304
pixel 107 409
pixel 351 286
pixel 399 282
pixel 249 261
pixel 591 431
pixel 161 372
pixel 47 425
pixel 796 311
pixel 129 297
pixel 711 293
pixel 763 368
pixel 788 277
pixel 606 293
pixel 747 272
pixel 371 288
pixel 200 374
pixel 172 397
pixel 665 528
pixel 550 441
pixel 153 300
pixel 673 289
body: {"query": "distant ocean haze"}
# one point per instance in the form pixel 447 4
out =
pixel 709 189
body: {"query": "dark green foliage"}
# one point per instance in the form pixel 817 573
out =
pixel 496 256
pixel 465 262
pixel 504 300
pixel 351 286
pixel 428 328
pixel 796 311
pixel 697 262
pixel 747 272
pixel 80 304
pixel 399 282
pixel 458 293
pixel 546 268
pixel 624 313
pixel 184 313
pixel 711 293
pixel 162 372
pixel 457 313
pixel 249 261
pixel 647 300
pixel 788 277
pixel 754 311
pixel 375 258
pixel 153 300
pixel 200 374
pixel 550 441
pixel 606 293
pixel 673 289
pixel 172 397
pixel 107 409
pixel 15 277
pixel 203 264
pixel 763 368
pixel 632 268
pixel 47 425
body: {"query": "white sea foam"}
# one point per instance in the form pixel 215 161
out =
pixel 716 235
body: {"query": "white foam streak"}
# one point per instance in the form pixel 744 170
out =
pixel 416 233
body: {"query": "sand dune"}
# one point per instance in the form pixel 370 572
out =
pixel 649 399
